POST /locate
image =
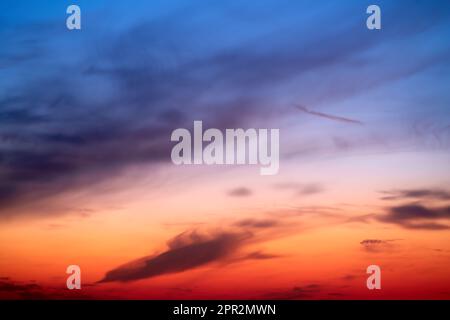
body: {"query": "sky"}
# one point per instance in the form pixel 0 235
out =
pixel 86 176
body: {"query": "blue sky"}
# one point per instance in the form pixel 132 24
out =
pixel 142 70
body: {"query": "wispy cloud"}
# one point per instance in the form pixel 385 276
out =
pixel 328 116
pixel 432 194
pixel 377 245
pixel 257 223
pixel 301 189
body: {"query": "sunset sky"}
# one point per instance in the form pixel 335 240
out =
pixel 86 176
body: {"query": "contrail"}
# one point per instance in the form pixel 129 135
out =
pixel 328 116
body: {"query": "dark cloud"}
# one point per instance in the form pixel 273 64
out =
pixel 417 211
pixel 15 290
pixel 432 194
pixel 9 286
pixel 240 192
pixel 180 257
pixel 192 249
pixel 417 216
pixel 10 289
